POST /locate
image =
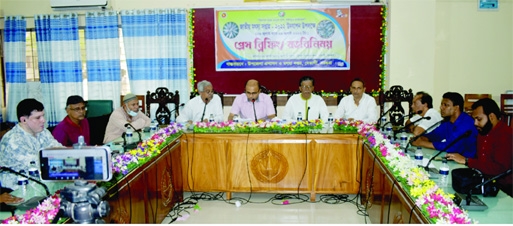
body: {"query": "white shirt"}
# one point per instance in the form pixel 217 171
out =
pixel 296 104
pixel 424 123
pixel 365 111
pixel 193 110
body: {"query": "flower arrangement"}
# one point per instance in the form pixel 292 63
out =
pixel 276 126
pixel 346 126
pixel 42 214
pixel 434 203
pixel 146 150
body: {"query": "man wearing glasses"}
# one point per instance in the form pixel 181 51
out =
pixel 199 108
pixel 74 124
pixel 252 105
pixel 358 105
pixel 310 106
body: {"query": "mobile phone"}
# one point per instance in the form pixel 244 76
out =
pixel 87 163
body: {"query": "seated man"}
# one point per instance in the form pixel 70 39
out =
pixel 128 113
pixel 199 108
pixel 253 103
pixel 423 103
pixel 74 124
pixel 494 144
pixel 310 106
pixel 22 143
pixel 456 123
pixel 358 105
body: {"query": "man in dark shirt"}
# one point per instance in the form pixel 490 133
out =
pixel 494 144
pixel 456 123
pixel 74 124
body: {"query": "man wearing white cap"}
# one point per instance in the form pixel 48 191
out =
pixel 128 113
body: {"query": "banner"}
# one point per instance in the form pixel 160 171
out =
pixel 282 39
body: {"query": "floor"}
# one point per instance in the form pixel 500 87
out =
pixel 262 208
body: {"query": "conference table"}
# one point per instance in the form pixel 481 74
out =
pixel 312 163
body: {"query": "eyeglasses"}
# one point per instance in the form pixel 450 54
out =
pixel 306 87
pixel 209 91
pixel 79 109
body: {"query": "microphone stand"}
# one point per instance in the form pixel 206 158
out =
pixel 433 170
pixel 422 134
pixel 254 111
pixel 381 116
pixel 307 111
pixel 472 202
pixel 204 108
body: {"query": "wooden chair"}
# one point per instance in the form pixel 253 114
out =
pixel 396 95
pixel 507 107
pixel 220 94
pixel 142 103
pixel 471 99
pixel 162 97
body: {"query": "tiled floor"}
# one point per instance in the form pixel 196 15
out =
pixel 261 208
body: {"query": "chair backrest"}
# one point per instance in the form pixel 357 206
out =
pixel 507 103
pixel 471 98
pixel 220 94
pixel 396 95
pixel 274 97
pixel 162 97
pixel 98 108
pixel 97 126
pixel 141 99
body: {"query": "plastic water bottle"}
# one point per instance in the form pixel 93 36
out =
pixel 330 120
pixel 23 183
pixel 419 156
pixel 236 118
pixel 211 118
pixel 80 143
pixel 129 135
pixel 444 173
pixel 153 126
pixel 388 132
pixel 404 140
pixel 33 170
pixel 383 122
pixel 299 117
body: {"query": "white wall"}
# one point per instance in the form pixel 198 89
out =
pixel 434 45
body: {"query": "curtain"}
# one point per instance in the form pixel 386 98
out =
pixel 155 44
pixel 60 68
pixel 15 71
pixel 103 56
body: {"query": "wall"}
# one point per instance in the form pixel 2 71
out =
pixel 434 45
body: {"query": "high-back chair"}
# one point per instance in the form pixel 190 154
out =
pixel 162 97
pixel 396 94
pixel 507 107
pixel 274 97
pixel 98 107
pixel 471 98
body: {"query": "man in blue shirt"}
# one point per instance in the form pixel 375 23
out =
pixel 454 126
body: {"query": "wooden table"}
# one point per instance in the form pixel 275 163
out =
pixel 273 163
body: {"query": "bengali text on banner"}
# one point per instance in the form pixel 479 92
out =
pixel 282 39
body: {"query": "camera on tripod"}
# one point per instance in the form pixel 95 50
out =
pixel 81 201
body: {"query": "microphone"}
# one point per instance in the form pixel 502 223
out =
pixel 307 111
pixel 136 130
pixel 433 170
pixel 254 111
pixel 422 134
pixel 204 108
pixel 381 116
pixel 411 123
pixel 472 202
pixel 7 169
